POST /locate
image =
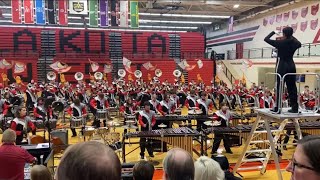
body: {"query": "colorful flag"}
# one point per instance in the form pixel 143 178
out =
pixel 104 18
pixel 127 65
pixel 124 13
pixel 230 24
pixel 134 14
pixel 19 67
pixel 200 63
pixel 114 12
pixel 107 68
pixel 51 12
pixel 93 13
pixel 149 66
pixel 94 66
pixel 78 7
pixel 28 12
pixel 4 64
pixel 63 12
pixel 40 12
pixel 16 11
pixel 60 67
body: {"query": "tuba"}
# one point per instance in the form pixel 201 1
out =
pixel 138 74
pixel 158 73
pixel 121 73
pixel 98 75
pixel 51 76
pixel 177 73
pixel 78 76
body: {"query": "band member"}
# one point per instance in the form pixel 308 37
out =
pixel 77 110
pixel 39 111
pixel 99 102
pixel 191 101
pixel 31 97
pixel 175 99
pixel 286 48
pixel 308 98
pixel 147 121
pixel 7 106
pixel 166 107
pixel 22 125
pixel 224 116
pixel 154 103
pixel 267 101
pixel 205 105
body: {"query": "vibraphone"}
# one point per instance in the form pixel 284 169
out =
pixel 177 137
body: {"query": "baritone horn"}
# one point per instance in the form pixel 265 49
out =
pixel 177 73
pixel 98 75
pixel 138 74
pixel 158 73
pixel 51 76
pixel 78 76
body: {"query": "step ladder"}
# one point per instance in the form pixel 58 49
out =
pixel 260 130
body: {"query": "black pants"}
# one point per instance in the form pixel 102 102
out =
pixel 145 143
pixel 286 139
pixel 290 80
pixel 217 140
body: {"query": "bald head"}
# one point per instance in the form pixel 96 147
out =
pixel 89 160
pixel 9 136
pixel 178 165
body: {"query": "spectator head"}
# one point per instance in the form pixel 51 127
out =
pixel 40 172
pixel 305 160
pixel 87 161
pixel 9 136
pixel 287 32
pixel 143 170
pixel 208 169
pixel 178 165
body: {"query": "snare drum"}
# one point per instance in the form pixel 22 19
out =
pixel 76 122
pixel 101 114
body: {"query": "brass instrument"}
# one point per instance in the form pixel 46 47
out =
pixel 51 76
pixel 79 76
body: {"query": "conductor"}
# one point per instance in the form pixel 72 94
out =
pixel 286 47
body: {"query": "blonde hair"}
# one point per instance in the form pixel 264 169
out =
pixel 9 136
pixel 208 169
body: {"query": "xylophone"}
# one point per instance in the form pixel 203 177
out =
pixel 178 137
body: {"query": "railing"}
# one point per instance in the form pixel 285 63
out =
pixel 228 73
pixel 306 50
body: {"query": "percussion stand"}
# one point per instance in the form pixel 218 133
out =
pixel 47 125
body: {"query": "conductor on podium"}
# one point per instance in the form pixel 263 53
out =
pixel 286 46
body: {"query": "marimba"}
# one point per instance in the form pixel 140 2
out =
pixel 177 137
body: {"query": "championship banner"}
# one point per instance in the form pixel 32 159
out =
pixel 28 11
pixel 114 12
pixel 40 12
pixel 134 14
pixel 93 13
pixel 63 12
pixel 51 12
pixel 78 6
pixel 124 9
pixel 104 18
pixel 16 11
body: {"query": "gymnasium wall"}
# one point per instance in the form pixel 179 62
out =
pixel 302 16
pixel 76 46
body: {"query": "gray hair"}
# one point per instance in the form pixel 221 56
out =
pixel 9 136
pixel 178 165
pixel 208 169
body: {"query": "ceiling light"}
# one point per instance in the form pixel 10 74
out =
pixel 236 6
pixel 167 27
pixel 184 15
pixel 177 22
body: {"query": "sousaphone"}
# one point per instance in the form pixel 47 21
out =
pixel 158 72
pixel 78 76
pixel 138 74
pixel 51 76
pixel 121 73
pixel 98 75
pixel 177 73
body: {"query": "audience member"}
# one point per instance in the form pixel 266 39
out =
pixel 224 164
pixel 305 160
pixel 40 172
pixel 13 158
pixel 143 170
pixel 87 161
pixel 208 169
pixel 178 165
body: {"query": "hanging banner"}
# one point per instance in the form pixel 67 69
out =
pixel 78 7
pixel 134 14
pixel 16 11
pixel 40 12
pixel 51 12
pixel 28 12
pixel 104 18
pixel 124 10
pixel 114 12
pixel 93 13
pixel 63 12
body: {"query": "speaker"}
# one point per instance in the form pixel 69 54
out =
pixel 62 134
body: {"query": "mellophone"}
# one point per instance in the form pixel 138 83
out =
pixel 178 137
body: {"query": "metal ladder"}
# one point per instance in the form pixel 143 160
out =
pixel 260 127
